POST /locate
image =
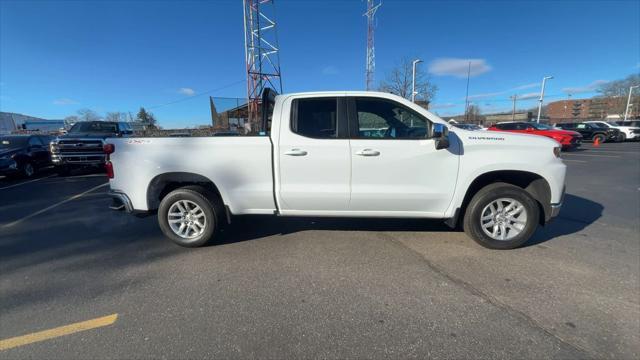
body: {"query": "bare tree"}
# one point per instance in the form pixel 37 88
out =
pixel 617 92
pixel 398 82
pixel 88 115
pixel 116 116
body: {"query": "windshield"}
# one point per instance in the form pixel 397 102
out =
pixel 542 126
pixel 94 127
pixel 597 125
pixel 7 142
pixel 612 123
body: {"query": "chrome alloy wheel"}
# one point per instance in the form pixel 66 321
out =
pixel 186 219
pixel 503 219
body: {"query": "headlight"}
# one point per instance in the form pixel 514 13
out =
pixel 556 151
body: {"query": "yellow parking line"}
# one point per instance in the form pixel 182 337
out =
pixel 57 332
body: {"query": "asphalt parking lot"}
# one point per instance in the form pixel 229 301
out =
pixel 327 288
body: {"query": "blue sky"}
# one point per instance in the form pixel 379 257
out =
pixel 59 56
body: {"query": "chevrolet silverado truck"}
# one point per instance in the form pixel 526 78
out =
pixel 82 146
pixel 315 156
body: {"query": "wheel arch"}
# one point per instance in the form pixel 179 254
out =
pixel 163 184
pixel 534 184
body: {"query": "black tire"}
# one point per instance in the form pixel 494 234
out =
pixel 601 138
pixel 28 170
pixel 622 137
pixel 487 195
pixel 201 197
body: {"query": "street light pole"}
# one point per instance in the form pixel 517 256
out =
pixel 413 80
pixel 626 111
pixel 513 112
pixel 544 81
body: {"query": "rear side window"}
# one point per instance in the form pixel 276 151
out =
pixel 315 117
pixel 509 126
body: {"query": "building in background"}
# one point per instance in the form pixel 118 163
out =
pixel 11 122
pixel 584 109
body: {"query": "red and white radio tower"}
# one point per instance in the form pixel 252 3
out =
pixel 371 50
pixel 262 54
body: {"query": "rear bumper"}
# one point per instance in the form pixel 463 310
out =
pixel 120 201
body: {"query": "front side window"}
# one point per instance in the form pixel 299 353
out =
pixel 384 119
pixel 315 117
pixel 35 141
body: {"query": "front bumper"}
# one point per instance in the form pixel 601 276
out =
pixel 554 209
pixel 78 159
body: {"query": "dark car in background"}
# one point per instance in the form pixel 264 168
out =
pixel 24 155
pixel 82 146
pixel 591 131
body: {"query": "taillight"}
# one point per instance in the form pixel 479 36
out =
pixel 108 148
pixel 108 166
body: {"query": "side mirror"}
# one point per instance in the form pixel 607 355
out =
pixel 441 136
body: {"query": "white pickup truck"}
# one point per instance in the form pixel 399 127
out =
pixel 343 154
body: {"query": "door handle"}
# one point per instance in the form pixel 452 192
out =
pixel 295 152
pixel 368 152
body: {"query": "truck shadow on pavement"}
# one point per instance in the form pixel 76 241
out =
pixel 576 214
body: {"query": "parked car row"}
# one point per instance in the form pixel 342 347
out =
pixel 568 139
pixel 82 146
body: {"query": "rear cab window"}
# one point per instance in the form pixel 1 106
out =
pixel 315 117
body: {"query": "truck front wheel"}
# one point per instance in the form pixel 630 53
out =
pixel 501 216
pixel 187 216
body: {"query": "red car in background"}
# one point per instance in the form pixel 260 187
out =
pixel 568 139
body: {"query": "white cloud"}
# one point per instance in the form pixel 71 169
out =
pixel 330 70
pixel 527 86
pixel 186 91
pixel 458 67
pixel 593 86
pixel 486 95
pixel 442 106
pixel 64 101
pixel 533 95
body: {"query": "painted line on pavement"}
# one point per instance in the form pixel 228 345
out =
pixel 52 206
pixel 57 332
pixel 609 156
pixel 26 182
pixel 580 161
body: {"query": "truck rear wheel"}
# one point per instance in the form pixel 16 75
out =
pixel 501 216
pixel 188 217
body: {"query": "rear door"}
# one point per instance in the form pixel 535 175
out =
pixel 314 158
pixel 396 169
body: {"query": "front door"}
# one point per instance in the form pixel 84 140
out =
pixel 314 158
pixel 395 166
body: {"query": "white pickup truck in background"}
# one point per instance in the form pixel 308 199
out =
pixel 343 154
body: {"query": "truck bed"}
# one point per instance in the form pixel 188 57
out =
pixel 241 166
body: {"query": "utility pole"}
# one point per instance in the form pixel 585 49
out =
pixel 544 81
pixel 626 111
pixel 413 80
pixel 371 50
pixel 513 112
pixel 466 98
